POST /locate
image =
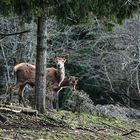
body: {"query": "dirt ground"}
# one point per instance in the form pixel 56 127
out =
pixel 65 125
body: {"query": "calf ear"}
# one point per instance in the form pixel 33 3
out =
pixel 76 78
pixel 68 76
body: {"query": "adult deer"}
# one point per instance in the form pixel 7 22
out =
pixel 25 73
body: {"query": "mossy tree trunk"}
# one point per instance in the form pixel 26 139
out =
pixel 40 88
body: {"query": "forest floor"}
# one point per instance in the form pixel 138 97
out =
pixel 65 125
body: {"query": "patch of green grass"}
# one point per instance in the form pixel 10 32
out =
pixel 116 137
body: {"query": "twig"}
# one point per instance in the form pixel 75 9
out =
pixel 10 34
pixel 137 79
pixel 129 132
pixel 109 80
pixel 126 96
pixel 88 129
pixel 7 67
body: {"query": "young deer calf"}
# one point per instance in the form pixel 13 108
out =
pixel 68 82
pixel 25 73
pixel 53 91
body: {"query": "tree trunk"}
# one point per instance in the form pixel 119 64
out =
pixel 40 84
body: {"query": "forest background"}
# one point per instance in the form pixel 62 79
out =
pixel 103 54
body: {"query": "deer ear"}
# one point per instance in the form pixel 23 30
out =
pixel 66 56
pixel 52 59
pixel 64 60
pixel 55 59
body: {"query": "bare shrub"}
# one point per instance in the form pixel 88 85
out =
pixel 79 102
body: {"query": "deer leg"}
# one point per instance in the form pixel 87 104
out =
pixel 57 100
pixel 20 94
pixel 56 97
pixel 10 95
pixel 11 89
pixel 49 100
pixel 9 100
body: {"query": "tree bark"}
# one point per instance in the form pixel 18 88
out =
pixel 40 84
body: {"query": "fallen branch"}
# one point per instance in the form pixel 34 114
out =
pixel 29 111
pixel 90 130
pixel 115 127
pixel 17 109
pixel 129 132
pixel 57 123
pixel 3 118
pixel 124 133
pixel 3 96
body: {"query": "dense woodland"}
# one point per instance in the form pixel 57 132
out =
pixel 106 63
pixel 101 42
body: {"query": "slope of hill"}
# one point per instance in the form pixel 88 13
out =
pixel 65 125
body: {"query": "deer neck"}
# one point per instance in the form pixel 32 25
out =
pixel 65 83
pixel 60 74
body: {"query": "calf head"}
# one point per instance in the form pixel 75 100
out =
pixel 73 81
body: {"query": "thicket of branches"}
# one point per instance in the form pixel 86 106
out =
pixel 14 48
pixel 107 63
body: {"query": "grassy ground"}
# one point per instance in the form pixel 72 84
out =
pixel 64 125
